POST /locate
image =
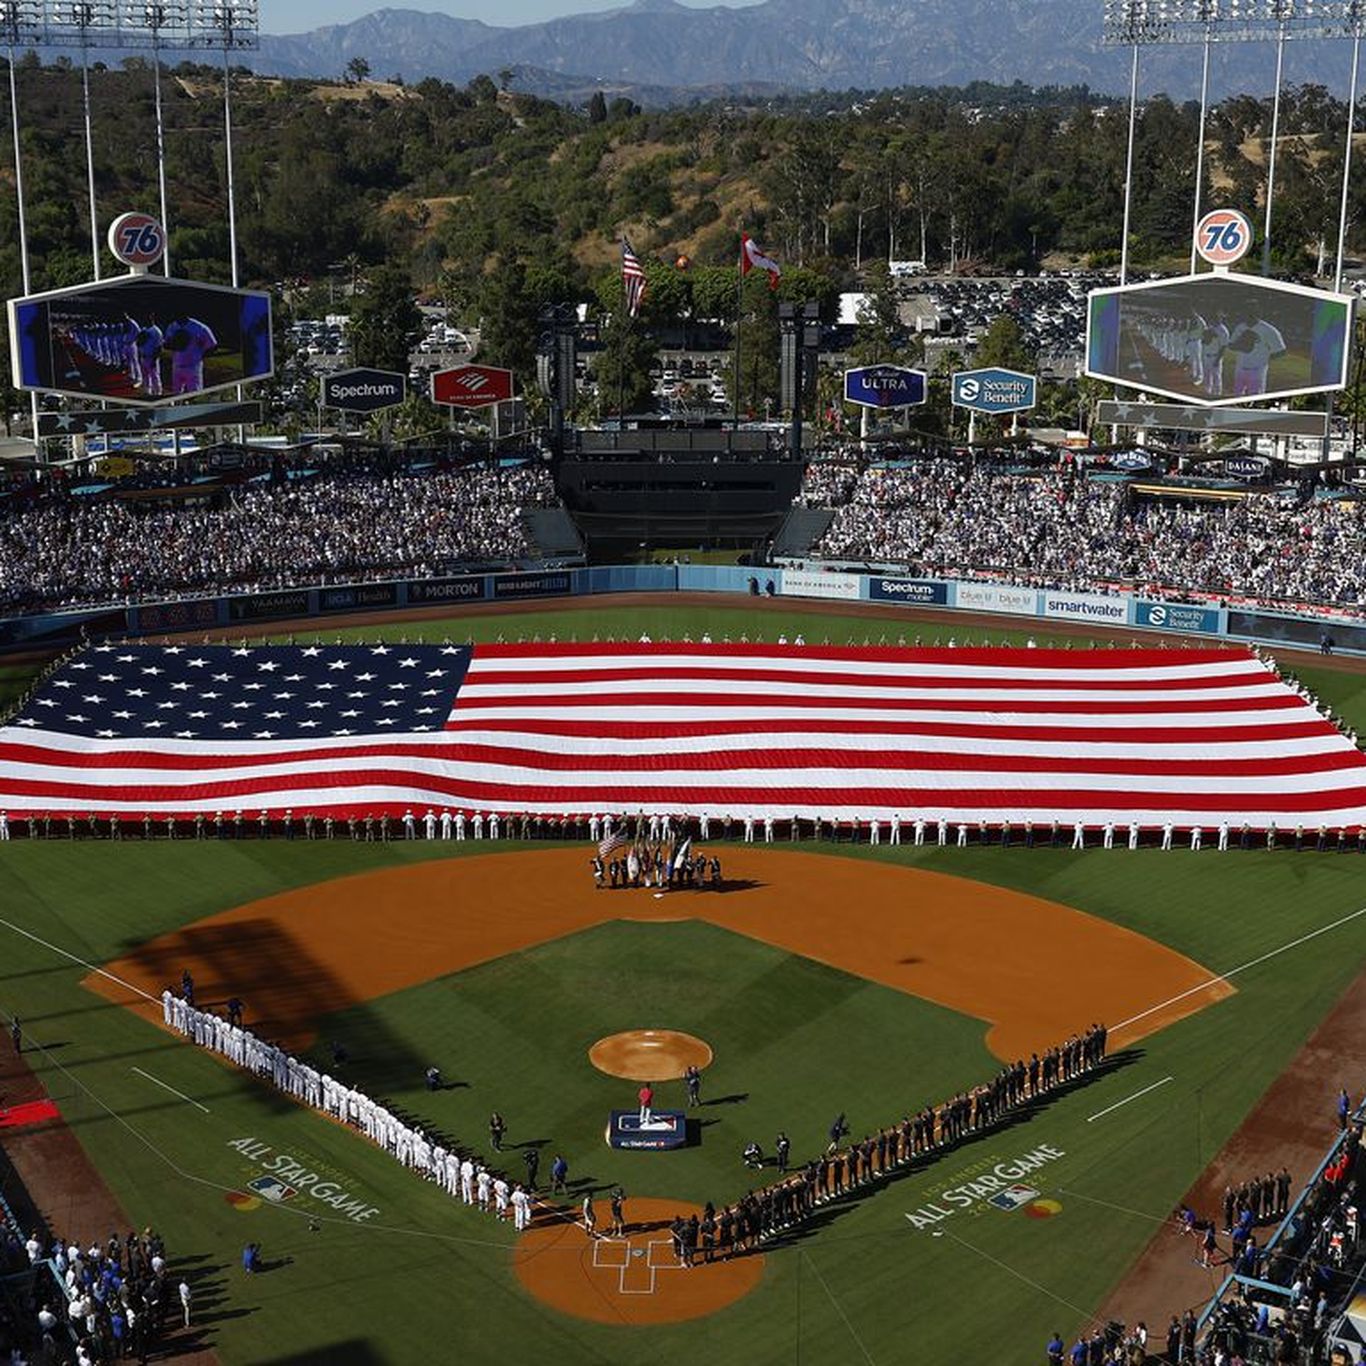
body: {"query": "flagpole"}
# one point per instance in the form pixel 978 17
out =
pixel 739 305
pixel 627 320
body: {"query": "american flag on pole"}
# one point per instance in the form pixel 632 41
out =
pixel 1188 736
pixel 632 278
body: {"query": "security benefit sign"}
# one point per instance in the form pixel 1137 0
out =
pixel 994 390
pixel 1217 339
pixel 363 390
pixel 141 339
pixel 884 386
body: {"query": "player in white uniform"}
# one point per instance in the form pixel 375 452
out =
pixel 446 823
pixel 1108 834
pixel 1079 835
pixel 1254 346
pixel 493 825
pixel 429 824
pixel 768 829
pixel 188 341
pixel 749 829
pixel 4 825
pixel 895 835
pixel 1167 835
pixel 459 825
pixel 478 823
pixel 1133 834
pixel 1196 836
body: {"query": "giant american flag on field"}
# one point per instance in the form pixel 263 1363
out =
pixel 1192 736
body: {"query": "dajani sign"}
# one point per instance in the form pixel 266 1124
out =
pixel 884 386
pixel 471 386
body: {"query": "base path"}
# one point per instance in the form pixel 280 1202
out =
pixel 1292 1126
pixel 974 948
pixel 632 1279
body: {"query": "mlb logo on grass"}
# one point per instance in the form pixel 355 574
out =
pixel 272 1188
pixel 1013 1197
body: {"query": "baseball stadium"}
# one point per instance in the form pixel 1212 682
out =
pixel 819 975
pixel 604 801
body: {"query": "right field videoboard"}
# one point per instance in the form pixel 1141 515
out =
pixel 1219 338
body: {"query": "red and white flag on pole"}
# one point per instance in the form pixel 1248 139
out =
pixel 751 258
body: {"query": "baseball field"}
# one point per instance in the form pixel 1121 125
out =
pixel 822 978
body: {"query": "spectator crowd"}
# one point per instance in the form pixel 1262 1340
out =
pixel 1060 529
pixel 68 550
pixel 89 1304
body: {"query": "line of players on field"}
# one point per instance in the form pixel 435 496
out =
pixel 138 349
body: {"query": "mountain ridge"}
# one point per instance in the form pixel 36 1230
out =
pixel 796 45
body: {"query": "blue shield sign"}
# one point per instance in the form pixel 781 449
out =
pixel 994 390
pixel 884 386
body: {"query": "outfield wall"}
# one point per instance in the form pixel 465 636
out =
pixel 51 631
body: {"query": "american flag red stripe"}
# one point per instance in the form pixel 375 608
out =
pixel 632 279
pixel 1187 736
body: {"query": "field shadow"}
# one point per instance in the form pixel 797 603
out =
pixel 354 1352
pixel 737 1098
pixel 287 991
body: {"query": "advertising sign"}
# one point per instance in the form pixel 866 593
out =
pixel 1085 607
pixel 994 390
pixel 1223 236
pixel 363 390
pixel 137 239
pixel 884 386
pixel 357 597
pixel 530 585
pixel 913 592
pixel 471 386
pixel 140 340
pixel 1246 466
pixel 806 584
pixel 466 588
pixel 997 597
pixel 1218 339
pixel 1177 616
pixel 261 606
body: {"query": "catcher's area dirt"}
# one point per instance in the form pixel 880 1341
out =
pixel 1292 1126
pixel 633 1279
pixel 975 948
pixel 649 1054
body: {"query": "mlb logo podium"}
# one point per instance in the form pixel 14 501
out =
pixel 664 1129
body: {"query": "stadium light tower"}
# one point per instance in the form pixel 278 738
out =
pixel 162 21
pixel 1147 23
pixel 231 25
pixel 21 22
pixel 82 23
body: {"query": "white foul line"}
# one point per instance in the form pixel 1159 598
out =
pixel 1232 972
pixel 171 1089
pixel 1100 1114
pixel 19 929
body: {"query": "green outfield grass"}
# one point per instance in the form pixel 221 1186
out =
pixel 797 1039
pixel 424 1281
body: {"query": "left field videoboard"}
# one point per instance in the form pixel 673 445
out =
pixel 141 339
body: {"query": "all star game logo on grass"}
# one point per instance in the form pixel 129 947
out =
pixel 287 1177
pixel 998 1184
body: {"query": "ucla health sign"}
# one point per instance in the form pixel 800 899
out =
pixel 1177 616
pixel 884 386
pixel 994 390
pixel 913 592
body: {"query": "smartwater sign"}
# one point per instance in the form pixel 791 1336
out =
pixel 1086 607
pixel 884 386
pixel 994 390
pixel 913 592
pixel 1177 616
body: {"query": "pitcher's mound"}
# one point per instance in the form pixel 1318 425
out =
pixel 635 1279
pixel 649 1054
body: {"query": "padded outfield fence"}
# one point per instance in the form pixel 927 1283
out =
pixel 1044 607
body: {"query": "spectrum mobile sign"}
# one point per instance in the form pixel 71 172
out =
pixel 363 390
pixel 994 390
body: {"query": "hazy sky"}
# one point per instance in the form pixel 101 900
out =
pixel 296 16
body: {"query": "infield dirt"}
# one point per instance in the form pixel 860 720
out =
pixel 981 950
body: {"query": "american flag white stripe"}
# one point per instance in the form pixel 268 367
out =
pixel 632 279
pixel 1191 737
